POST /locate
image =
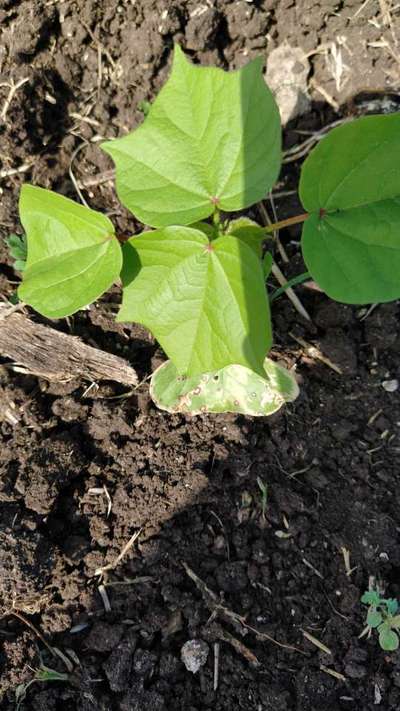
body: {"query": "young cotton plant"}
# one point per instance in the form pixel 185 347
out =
pixel 210 145
pixel 382 616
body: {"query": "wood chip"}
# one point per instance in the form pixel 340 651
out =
pixel 56 356
pixel 110 566
pixel 316 642
pixel 332 672
pixel 313 352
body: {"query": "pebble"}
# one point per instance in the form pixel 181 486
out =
pixel 194 654
pixel 286 76
pixel 390 385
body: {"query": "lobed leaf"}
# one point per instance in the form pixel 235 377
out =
pixel 371 597
pixel 210 138
pixel 73 254
pixel 350 185
pixel 205 302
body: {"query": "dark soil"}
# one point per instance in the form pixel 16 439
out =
pixel 191 485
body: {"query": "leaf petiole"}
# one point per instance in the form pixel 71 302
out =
pixel 297 219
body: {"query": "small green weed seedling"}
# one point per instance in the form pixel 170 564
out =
pixel 264 496
pixel 382 617
pixel 42 674
pixel 17 248
pixel 210 146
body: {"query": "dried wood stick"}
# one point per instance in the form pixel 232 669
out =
pixel 56 356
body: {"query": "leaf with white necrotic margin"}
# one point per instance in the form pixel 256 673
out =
pixel 231 389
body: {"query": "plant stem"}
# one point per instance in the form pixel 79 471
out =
pixel 216 218
pixel 286 223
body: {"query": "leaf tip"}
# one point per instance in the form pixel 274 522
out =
pixel 178 52
pixel 107 147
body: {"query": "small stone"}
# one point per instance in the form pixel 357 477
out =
pixel 194 654
pixel 286 76
pixel 390 385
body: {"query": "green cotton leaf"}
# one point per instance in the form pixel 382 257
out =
pixel 350 185
pixel 388 640
pixel 374 618
pixel 205 303
pixel 391 605
pixel 73 254
pixel 250 232
pixel 371 597
pixel 210 231
pixel 210 138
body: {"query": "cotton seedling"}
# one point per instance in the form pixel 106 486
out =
pixel 210 146
pixel 382 616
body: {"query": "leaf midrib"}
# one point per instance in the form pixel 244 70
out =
pixel 74 276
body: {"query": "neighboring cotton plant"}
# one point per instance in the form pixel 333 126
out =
pixel 382 616
pixel 210 144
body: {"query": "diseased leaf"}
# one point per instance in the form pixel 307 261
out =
pixel 205 302
pixel 231 389
pixel 350 185
pixel 73 254
pixel 210 137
